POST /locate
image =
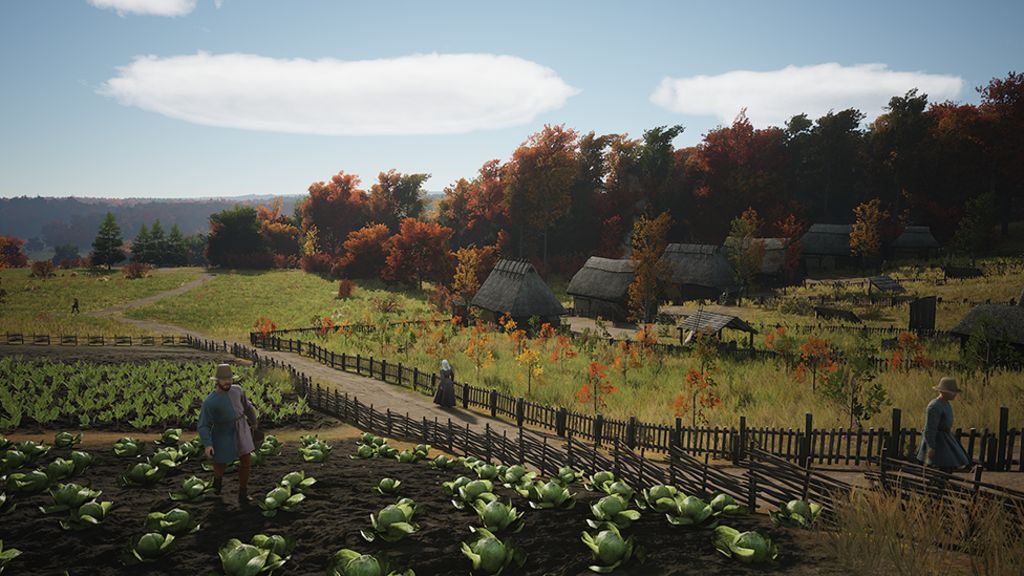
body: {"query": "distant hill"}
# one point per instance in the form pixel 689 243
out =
pixel 59 221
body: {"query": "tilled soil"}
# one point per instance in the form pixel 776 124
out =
pixel 335 510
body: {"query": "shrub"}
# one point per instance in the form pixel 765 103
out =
pixel 42 269
pixel 134 270
pixel 345 288
pixel 319 263
pixel 285 261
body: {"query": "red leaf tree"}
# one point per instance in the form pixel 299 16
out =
pixel 419 252
pixel 334 209
pixel 11 255
pixel 366 250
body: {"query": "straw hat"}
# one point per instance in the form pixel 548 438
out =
pixel 947 384
pixel 223 373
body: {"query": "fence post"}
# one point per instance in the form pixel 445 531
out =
pixel 1004 422
pixel 494 403
pixel 415 377
pixel 679 433
pixel 359 362
pixel 752 492
pixel 805 446
pixel 400 369
pixel 520 412
pixel 631 432
pixel 896 431
pixel 384 370
pixel 598 426
pixel 741 452
pixel 465 395
pixel 487 443
pixel 560 419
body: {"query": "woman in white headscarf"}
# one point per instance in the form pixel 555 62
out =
pixel 445 395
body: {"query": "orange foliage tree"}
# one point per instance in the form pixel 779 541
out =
pixel 333 209
pixel 562 351
pixel 11 255
pixel 419 252
pixel 264 326
pixel 529 359
pixel 908 348
pixel 597 387
pixel 866 235
pixel 650 237
pixel 698 397
pixel 395 197
pixel 478 348
pixel 626 357
pixel 365 251
pixel 792 229
pixel 815 355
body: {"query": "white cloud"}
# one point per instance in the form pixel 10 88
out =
pixel 418 94
pixel 773 97
pixel 148 7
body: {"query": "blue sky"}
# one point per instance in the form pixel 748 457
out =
pixel 188 98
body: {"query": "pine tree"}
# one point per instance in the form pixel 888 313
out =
pixel 176 253
pixel 106 248
pixel 142 246
pixel 158 252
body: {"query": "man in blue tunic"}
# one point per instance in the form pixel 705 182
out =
pixel 939 448
pixel 224 429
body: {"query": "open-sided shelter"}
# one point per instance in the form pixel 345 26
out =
pixel 826 245
pixel 601 288
pixel 515 288
pixel 712 324
pixel 697 271
pixel 915 242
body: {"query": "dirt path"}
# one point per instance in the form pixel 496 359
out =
pixel 114 310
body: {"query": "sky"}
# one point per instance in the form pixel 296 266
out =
pixel 201 98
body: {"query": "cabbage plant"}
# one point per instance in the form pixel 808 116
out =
pixel 13 459
pixel 609 549
pixel 87 515
pixel 32 450
pixel 82 461
pixel 612 509
pixel 176 521
pixel 297 481
pixel 490 556
pixel 239 559
pixel 271 445
pixel 280 545
pixel 452 488
pixel 192 449
pixel 4 442
pixel 6 503
pixel 6 555
pixel 423 450
pixel 408 457
pixel 128 447
pixel 167 459
pixel 315 452
pixel 472 491
pixel 692 512
pixel 600 480
pixel 660 498
pixel 725 504
pixel 796 514
pixel 170 437
pixel 547 496
pixel 487 471
pixel 347 562
pixel 69 496
pixel 568 475
pixel 60 469
pixel 141 474
pixel 469 462
pixel 393 522
pixel 280 499
pixel 32 482
pixel 193 489
pixel 749 547
pixel 149 547
pixel 364 451
pixel 512 476
pixel 387 486
pixel 442 462
pixel 619 488
pixel 66 440
pixel 498 516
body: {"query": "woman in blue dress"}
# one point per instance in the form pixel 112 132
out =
pixel 939 448
pixel 224 429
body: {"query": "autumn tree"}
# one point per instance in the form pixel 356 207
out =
pixel 529 359
pixel 908 353
pixel 626 357
pixel 815 356
pixel 478 348
pixel 597 388
pixel 106 248
pixel 539 178
pixel 334 209
pixel 466 282
pixel 11 255
pixel 476 209
pixel 650 237
pixel 419 252
pixel 791 229
pixel 744 249
pixel 562 351
pixel 698 396
pixel 366 251
pixel 279 232
pixel 1002 108
pixel 395 197
pixel 851 386
pixel 866 235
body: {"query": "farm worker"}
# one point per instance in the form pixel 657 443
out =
pixel 445 395
pixel 940 448
pixel 224 428
pixel 74 306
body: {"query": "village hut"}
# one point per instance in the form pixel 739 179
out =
pixel 826 246
pixel 997 322
pixel 515 288
pixel 601 288
pixel 697 272
pixel 915 242
pixel 712 324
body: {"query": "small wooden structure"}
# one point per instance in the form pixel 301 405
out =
pixel 884 284
pixel 826 313
pixel 515 288
pixel 712 323
pixel 697 272
pixel 922 314
pixel 915 242
pixel 601 288
pixel 826 246
pixel 998 322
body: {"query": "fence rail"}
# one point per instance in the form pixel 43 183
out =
pixel 995 450
pixel 17 339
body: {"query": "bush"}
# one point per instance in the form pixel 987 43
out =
pixel 345 288
pixel 319 264
pixel 134 270
pixel 69 263
pixel 42 269
pixel 285 261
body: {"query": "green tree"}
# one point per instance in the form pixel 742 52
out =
pixel 395 197
pixel 235 240
pixel 106 248
pixel 176 253
pixel 743 248
pixel 142 246
pixel 158 243
pixel 974 234
pixel 852 387
pixel 65 252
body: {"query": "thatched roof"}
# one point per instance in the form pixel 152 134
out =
pixel 827 240
pixel 602 279
pixel 712 323
pixel 514 287
pixel 774 254
pixel 698 265
pixel 1004 323
pixel 915 238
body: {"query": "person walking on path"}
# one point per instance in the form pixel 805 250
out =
pixel 74 306
pixel 445 395
pixel 224 429
pixel 939 448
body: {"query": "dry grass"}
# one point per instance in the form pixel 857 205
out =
pixel 915 535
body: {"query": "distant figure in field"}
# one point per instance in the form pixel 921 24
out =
pixel 939 448
pixel 224 428
pixel 74 306
pixel 445 395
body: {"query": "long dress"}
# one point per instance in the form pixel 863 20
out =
pixel 223 424
pixel 938 424
pixel 445 395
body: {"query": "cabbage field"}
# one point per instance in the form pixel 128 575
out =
pixel 351 508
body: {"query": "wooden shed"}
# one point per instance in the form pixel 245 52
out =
pixel 697 271
pixel 826 246
pixel 601 288
pixel 712 324
pixel 915 242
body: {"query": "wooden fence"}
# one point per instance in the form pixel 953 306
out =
pixel 996 450
pixel 17 338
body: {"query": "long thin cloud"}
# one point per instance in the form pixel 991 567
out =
pixel 148 7
pixel 418 94
pixel 773 97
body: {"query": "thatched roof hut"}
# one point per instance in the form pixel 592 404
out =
pixel 712 324
pixel 1000 322
pixel 601 288
pixel 514 287
pixel 826 240
pixel 915 240
pixel 698 270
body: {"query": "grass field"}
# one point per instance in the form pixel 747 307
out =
pixel 43 306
